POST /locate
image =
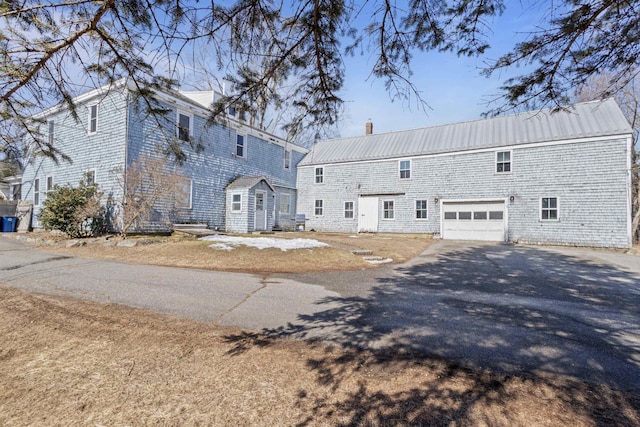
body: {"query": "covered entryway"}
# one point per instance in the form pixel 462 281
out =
pixel 250 205
pixel 474 220
pixel 367 215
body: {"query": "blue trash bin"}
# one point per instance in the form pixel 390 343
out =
pixel 9 224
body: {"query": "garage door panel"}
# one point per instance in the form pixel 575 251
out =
pixel 474 221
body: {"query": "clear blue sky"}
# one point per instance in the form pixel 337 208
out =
pixel 452 86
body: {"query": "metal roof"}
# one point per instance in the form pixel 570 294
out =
pixel 584 120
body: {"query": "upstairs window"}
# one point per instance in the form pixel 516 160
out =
pixel 405 169
pixel 184 126
pixel 549 209
pixel 240 146
pixel 93 118
pixel 287 159
pixel 319 175
pixel 51 134
pixel 503 161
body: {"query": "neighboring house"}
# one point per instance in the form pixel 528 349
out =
pixel 115 131
pixel 10 188
pixel 540 177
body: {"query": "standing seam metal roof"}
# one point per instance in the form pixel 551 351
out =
pixel 584 120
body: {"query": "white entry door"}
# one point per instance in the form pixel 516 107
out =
pixel 368 214
pixel 474 221
pixel 260 211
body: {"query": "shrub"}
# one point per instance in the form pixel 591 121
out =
pixel 76 212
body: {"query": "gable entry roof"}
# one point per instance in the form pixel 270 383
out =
pixel 584 120
pixel 245 182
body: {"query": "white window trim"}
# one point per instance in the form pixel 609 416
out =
pixel 353 209
pixel 495 163
pixel 244 146
pixel 315 175
pixel 288 211
pixel 232 203
pixel 415 209
pixel 189 205
pixel 187 114
pixel 95 175
pixel 97 105
pixel 557 208
pixel 287 160
pixel 36 191
pixel 394 210
pixel 315 206
pixel 400 170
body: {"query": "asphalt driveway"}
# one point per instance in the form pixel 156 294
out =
pixel 513 308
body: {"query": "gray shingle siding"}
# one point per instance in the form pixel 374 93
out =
pixel 125 130
pixel 590 179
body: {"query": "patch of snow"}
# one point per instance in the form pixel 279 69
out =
pixel 221 247
pixel 262 242
pixel 379 261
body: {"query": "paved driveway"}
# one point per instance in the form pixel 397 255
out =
pixel 514 308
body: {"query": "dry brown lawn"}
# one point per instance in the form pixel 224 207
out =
pixel 65 362
pixel 182 251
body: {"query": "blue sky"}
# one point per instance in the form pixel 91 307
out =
pixel 452 86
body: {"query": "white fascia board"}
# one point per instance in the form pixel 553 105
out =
pixel 629 191
pixel 479 150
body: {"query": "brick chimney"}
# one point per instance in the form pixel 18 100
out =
pixel 369 128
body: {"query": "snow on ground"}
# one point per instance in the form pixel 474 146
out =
pixel 227 243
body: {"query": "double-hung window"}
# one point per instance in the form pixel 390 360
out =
pixel 388 209
pixel 319 208
pixel 421 209
pixel 51 136
pixel 503 161
pixel 319 175
pixel 285 203
pixel 287 159
pixel 49 184
pixel 236 203
pixel 348 210
pixel 36 192
pixel 90 176
pixel 241 146
pixel 405 169
pixel 549 209
pixel 93 118
pixel 184 126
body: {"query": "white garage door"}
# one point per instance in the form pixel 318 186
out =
pixel 473 221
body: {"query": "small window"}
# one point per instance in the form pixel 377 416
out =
pixel 549 209
pixel 319 208
pixel 51 135
pixel 405 169
pixel 421 209
pixel 49 183
pixel 387 209
pixel 480 215
pixel 36 192
pixel 285 203
pixel 90 177
pixel 287 159
pixel 503 161
pixel 464 215
pixel 232 111
pixel 184 126
pixel 450 215
pixel 348 210
pixel 496 215
pixel 183 193
pixel 93 118
pixel 240 146
pixel 236 202
pixel 319 175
